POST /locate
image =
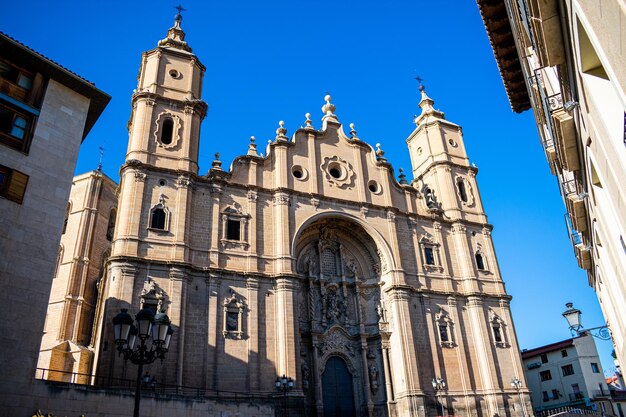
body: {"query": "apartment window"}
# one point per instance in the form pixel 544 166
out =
pixel 544 358
pixel 546 397
pixel 12 184
pixel 595 368
pixel 567 370
pixel 555 394
pixel 545 375
pixel 15 127
pixel 564 353
pixel 233 229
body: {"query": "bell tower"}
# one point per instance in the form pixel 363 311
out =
pixel 164 128
pixel 441 169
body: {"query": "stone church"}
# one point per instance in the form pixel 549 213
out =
pixel 312 261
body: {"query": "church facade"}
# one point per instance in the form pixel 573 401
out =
pixel 313 262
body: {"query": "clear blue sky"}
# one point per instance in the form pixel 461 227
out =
pixel 274 60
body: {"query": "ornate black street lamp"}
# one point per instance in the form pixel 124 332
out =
pixel 284 385
pixel 572 315
pixel 517 384
pixel 439 385
pixel 145 325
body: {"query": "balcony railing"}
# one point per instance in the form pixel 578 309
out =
pixel 576 396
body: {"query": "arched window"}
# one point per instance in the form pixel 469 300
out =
pixel 480 262
pixel 167 131
pixel 462 191
pixel 111 225
pixel 157 220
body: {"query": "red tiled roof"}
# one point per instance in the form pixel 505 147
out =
pixel 547 348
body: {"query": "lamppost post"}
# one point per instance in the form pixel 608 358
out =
pixel 145 325
pixel 284 385
pixel 439 385
pixel 517 384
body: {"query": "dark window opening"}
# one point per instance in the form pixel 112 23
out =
pixel 443 333
pixel 167 131
pixel 545 375
pixel 12 184
pixel 462 191
pixel 567 370
pixel 555 394
pixel 480 263
pixel 546 397
pixel 544 358
pixel 335 172
pixel 429 255
pixel 232 321
pixel 111 225
pixel 150 305
pixel 497 334
pixel 595 368
pixel 158 219
pixel 564 353
pixel 233 230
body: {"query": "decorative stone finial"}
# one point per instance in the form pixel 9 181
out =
pixel 328 109
pixel 308 123
pixel 252 146
pixel 402 177
pixel 281 131
pixel 352 131
pixel 217 164
pixel 380 154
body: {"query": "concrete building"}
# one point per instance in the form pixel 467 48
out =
pixel 45 113
pixel 85 246
pixel 567 374
pixel 566 61
pixel 313 262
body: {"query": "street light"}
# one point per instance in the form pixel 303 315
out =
pixel 572 315
pixel 517 384
pixel 439 385
pixel 284 385
pixel 145 325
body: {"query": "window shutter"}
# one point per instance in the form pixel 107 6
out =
pixel 17 186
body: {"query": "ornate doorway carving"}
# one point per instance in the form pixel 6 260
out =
pixel 338 392
pixel 341 319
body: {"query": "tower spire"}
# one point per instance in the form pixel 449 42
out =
pixel 426 104
pixel 175 35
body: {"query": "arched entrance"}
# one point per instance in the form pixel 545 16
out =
pixel 341 318
pixel 338 394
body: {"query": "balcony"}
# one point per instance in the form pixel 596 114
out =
pixel 566 140
pixel 547 30
pixel 576 396
pixel 583 256
pixel 575 204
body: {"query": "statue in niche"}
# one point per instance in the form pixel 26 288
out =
pixel 373 372
pixel 327 235
pixel 335 306
pixel 380 312
pixel 306 374
pixel 351 267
